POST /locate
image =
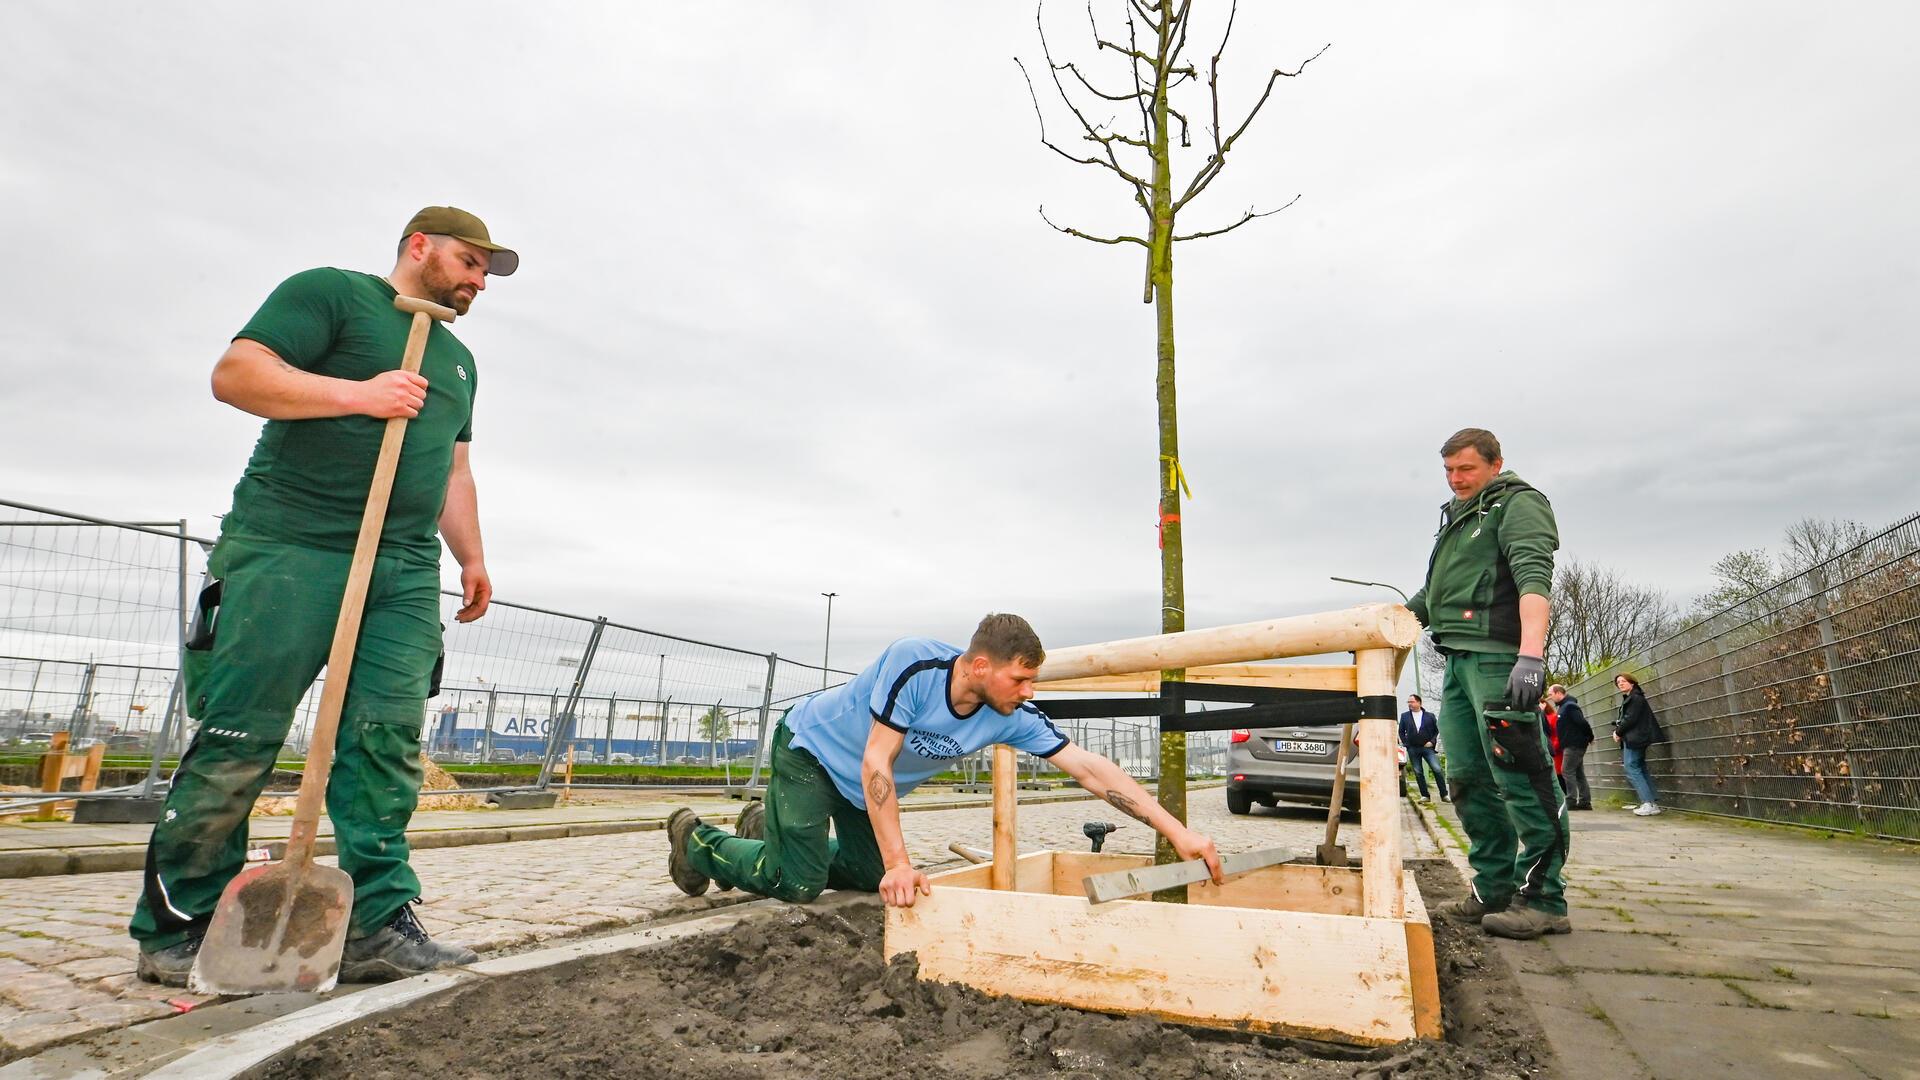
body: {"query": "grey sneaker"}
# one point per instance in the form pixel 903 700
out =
pixel 680 826
pixel 169 966
pixel 753 822
pixel 1469 908
pixel 399 950
pixel 1523 923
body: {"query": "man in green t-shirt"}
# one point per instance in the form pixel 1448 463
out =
pixel 320 362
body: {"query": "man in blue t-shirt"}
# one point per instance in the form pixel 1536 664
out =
pixel 845 758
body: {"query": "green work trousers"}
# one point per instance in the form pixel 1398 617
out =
pixel 273 630
pixel 1503 785
pixel 796 860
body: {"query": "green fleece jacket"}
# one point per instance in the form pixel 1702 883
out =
pixel 1491 550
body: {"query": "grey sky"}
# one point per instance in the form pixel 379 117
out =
pixel 787 321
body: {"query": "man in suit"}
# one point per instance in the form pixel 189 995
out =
pixel 1419 731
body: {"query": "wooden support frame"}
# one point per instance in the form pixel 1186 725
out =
pixel 1298 950
pixel 59 765
pixel 1285 950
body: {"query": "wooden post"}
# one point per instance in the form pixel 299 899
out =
pixel 1003 816
pixel 1383 893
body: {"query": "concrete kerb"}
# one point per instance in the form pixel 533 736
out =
pixel 233 1055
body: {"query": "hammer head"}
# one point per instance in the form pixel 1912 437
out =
pixel 415 306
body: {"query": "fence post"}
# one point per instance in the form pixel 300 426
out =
pixel 163 738
pixel 77 726
pixel 766 710
pixel 486 733
pixel 562 725
pixel 1830 656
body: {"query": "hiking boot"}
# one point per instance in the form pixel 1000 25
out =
pixel 1523 923
pixel 399 950
pixel 752 824
pixel 680 826
pixel 169 966
pixel 1468 908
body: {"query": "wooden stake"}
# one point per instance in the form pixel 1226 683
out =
pixel 1003 816
pixel 1383 891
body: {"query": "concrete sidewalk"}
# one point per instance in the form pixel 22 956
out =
pixel 42 848
pixel 1706 948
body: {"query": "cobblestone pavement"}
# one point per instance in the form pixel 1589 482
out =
pixel 1703 949
pixel 66 964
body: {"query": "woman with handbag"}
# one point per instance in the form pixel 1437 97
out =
pixel 1636 730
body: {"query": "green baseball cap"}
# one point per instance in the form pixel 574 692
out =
pixel 457 223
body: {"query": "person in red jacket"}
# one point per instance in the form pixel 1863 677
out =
pixel 1550 723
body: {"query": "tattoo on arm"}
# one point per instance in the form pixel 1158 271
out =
pixel 1125 805
pixel 879 790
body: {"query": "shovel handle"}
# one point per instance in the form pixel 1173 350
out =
pixel 346 631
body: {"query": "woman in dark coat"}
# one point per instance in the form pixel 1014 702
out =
pixel 1636 730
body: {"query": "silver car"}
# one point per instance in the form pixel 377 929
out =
pixel 1265 765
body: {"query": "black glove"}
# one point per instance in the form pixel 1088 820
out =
pixel 1525 684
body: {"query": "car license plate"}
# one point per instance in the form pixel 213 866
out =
pixel 1290 746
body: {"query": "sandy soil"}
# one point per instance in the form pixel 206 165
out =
pixel 803 993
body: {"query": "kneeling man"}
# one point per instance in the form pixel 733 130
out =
pixel 846 756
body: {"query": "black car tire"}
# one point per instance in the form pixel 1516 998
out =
pixel 1239 802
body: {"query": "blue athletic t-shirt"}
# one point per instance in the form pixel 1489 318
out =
pixel 906 689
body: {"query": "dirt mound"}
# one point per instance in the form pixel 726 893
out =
pixel 438 779
pixel 802 993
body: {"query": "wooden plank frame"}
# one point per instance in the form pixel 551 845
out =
pixel 1283 950
pixel 1298 950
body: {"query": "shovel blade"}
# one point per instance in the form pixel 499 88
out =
pixel 278 928
pixel 1330 855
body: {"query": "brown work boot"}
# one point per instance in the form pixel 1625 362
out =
pixel 1523 923
pixel 752 823
pixel 680 826
pixel 1469 909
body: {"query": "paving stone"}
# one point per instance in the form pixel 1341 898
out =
pixel 94 968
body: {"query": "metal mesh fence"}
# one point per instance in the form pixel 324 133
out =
pixel 1800 704
pixel 93 615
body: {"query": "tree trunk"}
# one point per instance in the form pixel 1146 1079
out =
pixel 1173 593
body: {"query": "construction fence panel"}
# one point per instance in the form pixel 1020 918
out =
pixel 1800 704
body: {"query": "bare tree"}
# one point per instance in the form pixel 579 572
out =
pixel 1810 544
pixel 1598 619
pixel 1150 63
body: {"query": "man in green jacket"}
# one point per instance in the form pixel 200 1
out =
pixel 320 361
pixel 1486 600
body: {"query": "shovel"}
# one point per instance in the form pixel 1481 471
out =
pixel 281 926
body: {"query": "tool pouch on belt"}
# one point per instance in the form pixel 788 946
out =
pixel 1516 741
pixel 205 614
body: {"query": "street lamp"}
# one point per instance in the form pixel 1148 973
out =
pixel 1418 688
pixel 826 648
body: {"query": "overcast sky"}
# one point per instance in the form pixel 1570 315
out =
pixel 787 321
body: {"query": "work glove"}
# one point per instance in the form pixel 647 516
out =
pixel 1525 684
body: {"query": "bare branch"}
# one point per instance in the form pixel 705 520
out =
pixel 1070 231
pixel 1092 89
pixel 1042 118
pixel 1250 215
pixel 1093 133
pixel 1218 160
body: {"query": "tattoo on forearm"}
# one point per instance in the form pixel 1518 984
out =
pixel 1126 806
pixel 879 790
